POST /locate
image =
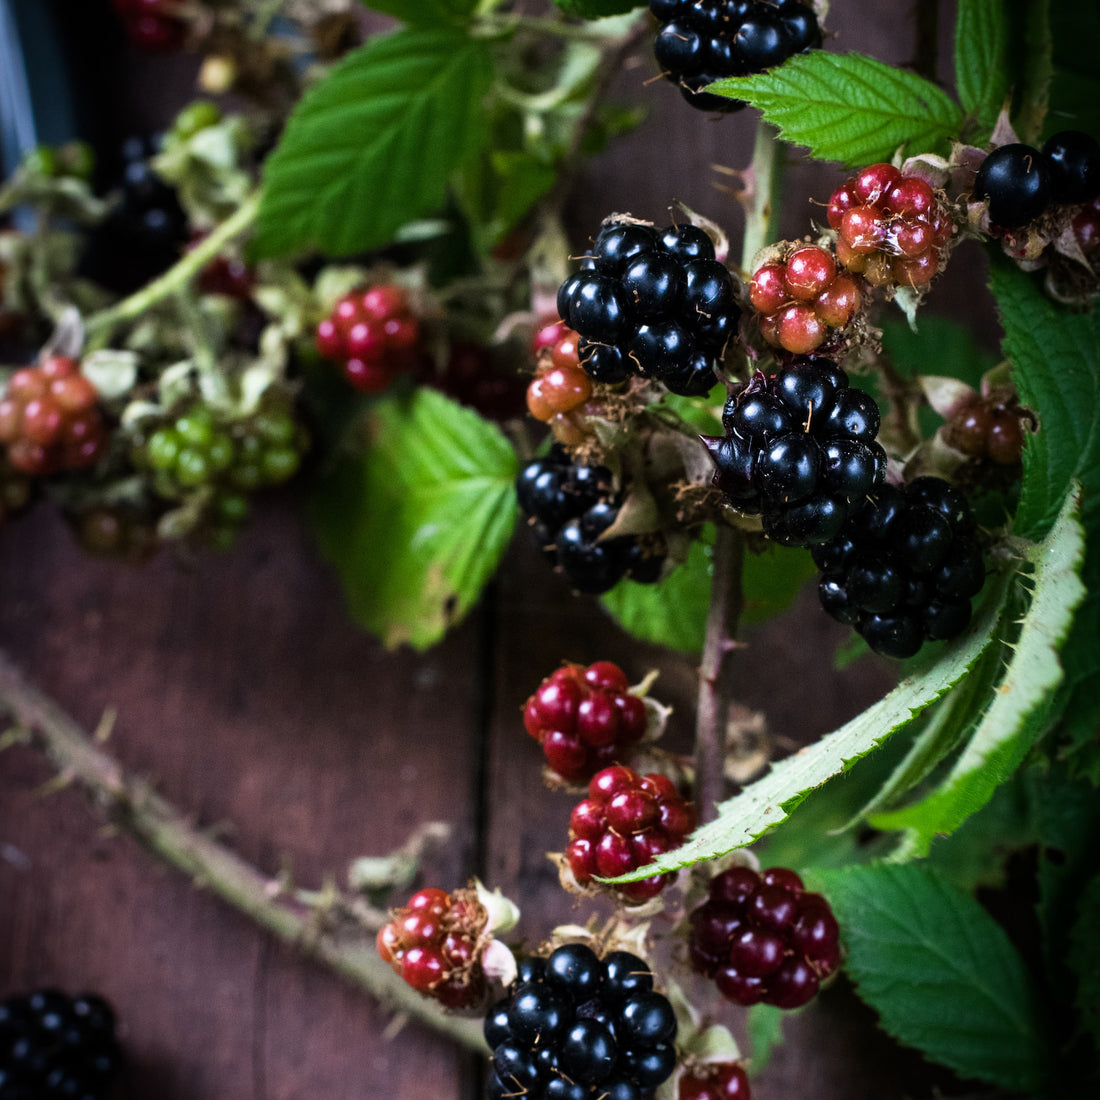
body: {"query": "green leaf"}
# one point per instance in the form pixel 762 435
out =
pixel 416 523
pixel 849 107
pixel 1055 356
pixel 939 346
pixel 765 1024
pixel 428 13
pixel 1031 59
pixel 1019 711
pixel 768 802
pixel 940 972
pixel 372 146
pixel 1075 85
pixel 674 612
pixel 597 9
pixel 981 59
pixel 1084 959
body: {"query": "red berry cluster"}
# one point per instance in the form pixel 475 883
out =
pixel 433 944
pixel 561 386
pixel 800 299
pixel 374 333
pixel 724 1081
pixel 627 821
pixel 472 376
pixel 50 420
pixel 891 229
pixel 151 25
pixel 987 428
pixel 584 718
pixel 763 937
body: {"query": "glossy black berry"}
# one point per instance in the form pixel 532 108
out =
pixel 604 363
pixel 1073 165
pixel 787 471
pixel 538 1009
pixel 625 975
pixel 588 1051
pixel 646 1019
pixel 575 968
pixel 1015 180
pixel 596 309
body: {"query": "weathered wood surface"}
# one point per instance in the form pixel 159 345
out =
pixel 246 694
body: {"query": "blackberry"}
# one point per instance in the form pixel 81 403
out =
pixel 652 302
pixel 799 449
pixel 904 570
pixel 1016 181
pixel 764 937
pixel 52 1044
pixel 701 41
pixel 576 1030
pixel 1073 165
pixel 568 508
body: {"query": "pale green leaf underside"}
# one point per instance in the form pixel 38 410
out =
pixel 848 107
pixel 417 523
pixel 372 146
pixel 769 801
pixel 1013 718
pixel 981 45
pixel 940 972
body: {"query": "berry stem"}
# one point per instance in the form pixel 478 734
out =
pixel 726 593
pixel 344 945
pixel 100 324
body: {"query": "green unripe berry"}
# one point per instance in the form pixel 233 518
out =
pixel 276 427
pixel 196 117
pixel 163 448
pixel 77 160
pixel 233 507
pixel 42 161
pixel 279 463
pixel 196 427
pixel 220 452
pixel 192 468
pixel 247 475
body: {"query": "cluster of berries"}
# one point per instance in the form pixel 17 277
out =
pixel 198 450
pixel 891 228
pixel 905 568
pixel 568 508
pixel 144 233
pixel 433 944
pixel 987 427
pixel 1022 182
pixel 561 386
pixel 803 301
pixel 150 24
pixel 715 1081
pixel 374 334
pixel 800 449
pixel 764 937
pixel 701 41
pixel 585 719
pixel 472 375
pixel 626 822
pixel 52 1044
pixel 654 302
pixel 50 419
pixel 577 1027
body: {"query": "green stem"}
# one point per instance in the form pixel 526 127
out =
pixel 343 945
pixel 99 325
pixel 716 694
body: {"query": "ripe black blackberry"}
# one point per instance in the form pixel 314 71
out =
pixel 52 1044
pixel 575 1027
pixel 800 450
pixel 701 41
pixel 568 508
pixel 905 568
pixel 654 302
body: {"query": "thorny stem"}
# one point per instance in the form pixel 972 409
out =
pixel 726 595
pixel 344 945
pixel 177 276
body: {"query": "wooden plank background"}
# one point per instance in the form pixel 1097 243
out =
pixel 246 694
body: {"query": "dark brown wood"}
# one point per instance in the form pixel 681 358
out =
pixel 245 693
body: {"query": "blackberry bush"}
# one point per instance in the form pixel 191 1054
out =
pixel 800 450
pixel 651 302
pixel 578 1027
